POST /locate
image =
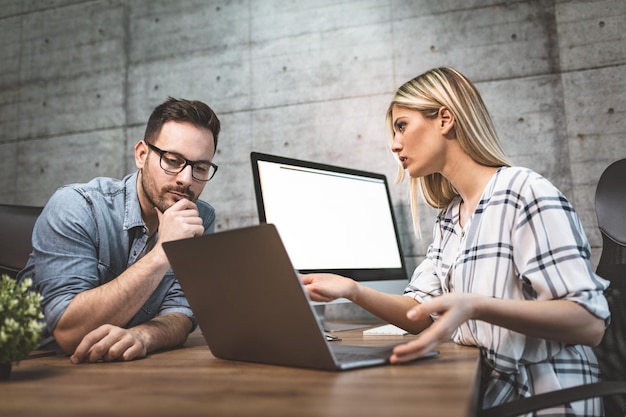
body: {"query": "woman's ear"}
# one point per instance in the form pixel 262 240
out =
pixel 446 118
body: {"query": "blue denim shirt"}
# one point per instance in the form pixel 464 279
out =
pixel 86 236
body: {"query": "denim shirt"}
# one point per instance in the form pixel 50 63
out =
pixel 86 236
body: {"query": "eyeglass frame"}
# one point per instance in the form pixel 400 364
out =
pixel 188 162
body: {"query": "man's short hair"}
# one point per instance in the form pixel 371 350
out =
pixel 180 110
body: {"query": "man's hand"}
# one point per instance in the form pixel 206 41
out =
pixel 110 343
pixel 181 220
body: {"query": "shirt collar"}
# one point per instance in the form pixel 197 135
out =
pixel 132 210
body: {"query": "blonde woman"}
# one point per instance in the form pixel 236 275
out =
pixel 508 269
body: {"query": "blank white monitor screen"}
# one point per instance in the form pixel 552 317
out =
pixel 331 219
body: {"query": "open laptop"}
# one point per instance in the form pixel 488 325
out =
pixel 251 306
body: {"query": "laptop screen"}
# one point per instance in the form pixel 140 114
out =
pixel 331 219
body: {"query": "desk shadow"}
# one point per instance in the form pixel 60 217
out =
pixel 31 374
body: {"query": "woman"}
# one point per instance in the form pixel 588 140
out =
pixel 508 269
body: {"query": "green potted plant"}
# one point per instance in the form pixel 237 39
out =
pixel 20 322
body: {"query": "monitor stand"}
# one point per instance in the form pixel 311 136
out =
pixel 344 316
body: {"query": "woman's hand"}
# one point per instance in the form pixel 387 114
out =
pixel 453 309
pixel 328 287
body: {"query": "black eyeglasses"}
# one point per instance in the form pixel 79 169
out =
pixel 173 163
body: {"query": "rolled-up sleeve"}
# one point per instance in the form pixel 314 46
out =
pixel 66 261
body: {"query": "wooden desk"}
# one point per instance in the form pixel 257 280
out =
pixel 191 382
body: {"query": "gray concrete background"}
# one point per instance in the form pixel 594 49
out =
pixel 306 79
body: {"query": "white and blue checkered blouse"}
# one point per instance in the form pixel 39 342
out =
pixel 524 242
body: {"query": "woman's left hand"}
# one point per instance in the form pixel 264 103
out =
pixel 453 310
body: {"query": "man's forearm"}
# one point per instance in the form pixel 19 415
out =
pixel 164 332
pixel 115 302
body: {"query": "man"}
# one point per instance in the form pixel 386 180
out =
pixel 108 290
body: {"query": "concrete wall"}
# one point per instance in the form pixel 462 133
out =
pixel 307 79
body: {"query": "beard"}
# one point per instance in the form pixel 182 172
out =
pixel 160 197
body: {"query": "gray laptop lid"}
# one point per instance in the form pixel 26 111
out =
pixel 250 304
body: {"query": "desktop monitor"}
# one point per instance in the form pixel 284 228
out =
pixel 331 219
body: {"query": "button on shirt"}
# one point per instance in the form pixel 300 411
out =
pixel 87 235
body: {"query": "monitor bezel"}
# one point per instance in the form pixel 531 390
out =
pixel 359 274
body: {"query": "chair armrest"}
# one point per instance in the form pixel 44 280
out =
pixel 549 399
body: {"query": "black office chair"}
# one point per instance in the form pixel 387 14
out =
pixel 611 214
pixel 16 228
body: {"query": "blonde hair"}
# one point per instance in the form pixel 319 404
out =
pixel 428 93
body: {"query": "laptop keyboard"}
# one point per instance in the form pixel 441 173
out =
pixel 345 353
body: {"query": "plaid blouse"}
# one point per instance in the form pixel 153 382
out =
pixel 524 242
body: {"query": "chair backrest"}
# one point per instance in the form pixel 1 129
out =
pixel 611 202
pixel 16 228
pixel 611 214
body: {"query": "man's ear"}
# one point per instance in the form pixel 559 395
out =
pixel 141 153
pixel 446 118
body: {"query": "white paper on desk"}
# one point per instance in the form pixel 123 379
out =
pixel 386 330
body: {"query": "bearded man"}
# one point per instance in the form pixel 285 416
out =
pixel 108 290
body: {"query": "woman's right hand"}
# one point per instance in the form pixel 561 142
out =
pixel 328 287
